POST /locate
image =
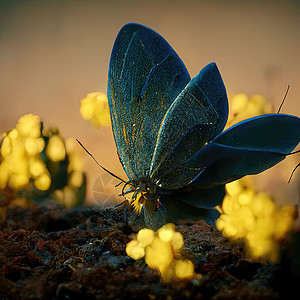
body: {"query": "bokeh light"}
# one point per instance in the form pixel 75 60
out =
pixel 246 213
pixel 35 162
pixel 94 108
pixel 161 250
pixel 255 218
pixel 19 149
pixel 243 107
pixel 56 148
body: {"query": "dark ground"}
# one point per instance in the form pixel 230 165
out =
pixel 48 252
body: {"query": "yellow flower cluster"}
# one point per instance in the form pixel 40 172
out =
pixel 161 250
pixel 94 108
pixel 243 107
pixel 30 154
pixel 68 195
pixel 19 156
pixel 255 218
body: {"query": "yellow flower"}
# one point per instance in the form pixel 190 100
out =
pixel 135 250
pixel 23 161
pixel 56 150
pixel 6 146
pixel 74 155
pixel 94 108
pixel 161 251
pixel 29 126
pixel 76 179
pixel 243 107
pixel 34 146
pixel 255 218
pixel 43 182
pixel 184 268
pixel 36 167
pixel 4 175
pixel 145 237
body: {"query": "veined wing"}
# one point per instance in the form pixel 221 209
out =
pixel 145 77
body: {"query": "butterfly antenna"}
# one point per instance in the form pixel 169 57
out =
pixel 287 90
pixel 119 204
pixel 291 153
pixel 118 183
pixel 112 174
pixel 293 172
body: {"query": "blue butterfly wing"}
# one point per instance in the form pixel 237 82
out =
pixel 247 148
pixel 182 210
pixel 198 114
pixel 145 77
pixel 196 196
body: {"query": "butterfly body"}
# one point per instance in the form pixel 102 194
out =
pixel 168 127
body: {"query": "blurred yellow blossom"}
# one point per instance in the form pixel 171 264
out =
pixel 43 182
pixel 74 154
pixel 135 250
pixel 34 146
pixel 184 268
pixel 245 213
pixel 94 108
pixel 243 107
pixel 56 148
pixel 36 166
pixel 161 250
pixel 145 237
pixel 29 126
pixel 76 178
pixel 15 148
pixel 255 218
pixel 35 162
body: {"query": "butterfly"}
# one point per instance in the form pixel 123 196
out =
pixel 168 128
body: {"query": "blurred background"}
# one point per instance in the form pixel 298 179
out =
pixel 52 53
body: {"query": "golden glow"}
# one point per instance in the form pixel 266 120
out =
pixel 161 251
pixel 243 107
pixel 94 108
pixel 255 218
pixel 184 268
pixel 245 213
pixel 34 146
pixel 22 161
pixel 166 232
pixel 66 196
pixel 18 180
pixel 159 255
pixel 74 155
pixel 145 237
pixel 43 182
pixel 76 179
pixel 4 175
pixel 18 145
pixel 36 167
pixel 13 134
pixel 136 204
pixel 177 241
pixel 56 150
pixel 6 146
pixel 29 126
pixel 135 250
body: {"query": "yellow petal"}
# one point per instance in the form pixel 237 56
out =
pixel 43 182
pixel 56 150
pixel 184 268
pixel 145 237
pixel 135 250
